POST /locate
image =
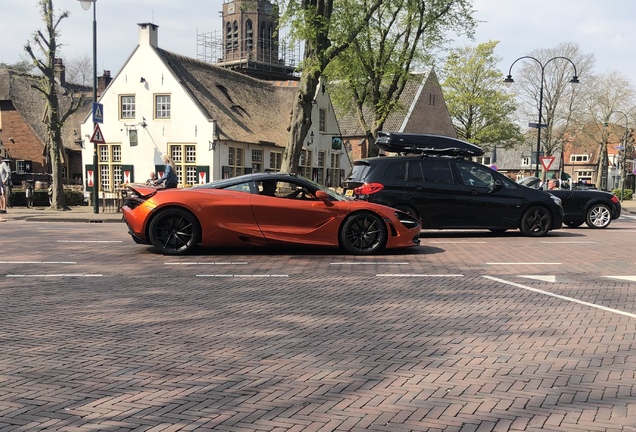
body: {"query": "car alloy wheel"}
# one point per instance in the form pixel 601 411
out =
pixel 363 234
pixel 536 221
pixel 174 231
pixel 598 216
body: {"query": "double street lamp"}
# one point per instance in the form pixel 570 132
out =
pixel 509 81
pixel 86 5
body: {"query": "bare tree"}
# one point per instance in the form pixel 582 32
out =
pixel 46 43
pixel 561 101
pixel 79 70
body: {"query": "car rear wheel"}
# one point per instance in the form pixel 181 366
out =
pixel 598 216
pixel 174 231
pixel 363 234
pixel 574 224
pixel 536 221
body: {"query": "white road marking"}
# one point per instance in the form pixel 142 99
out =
pixel 627 278
pixel 90 241
pixel 38 262
pixel 205 263
pixel 539 277
pixel 457 242
pixel 418 275
pixel 570 299
pixel 368 263
pixel 242 276
pixel 568 242
pixel 523 263
pixel 53 275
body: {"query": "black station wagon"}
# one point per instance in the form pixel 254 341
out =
pixel 445 190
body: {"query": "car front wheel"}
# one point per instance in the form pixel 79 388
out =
pixel 174 231
pixel 536 221
pixel 363 234
pixel 598 216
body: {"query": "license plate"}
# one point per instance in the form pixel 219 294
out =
pixel 349 192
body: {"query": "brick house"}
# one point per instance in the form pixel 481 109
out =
pixel 23 133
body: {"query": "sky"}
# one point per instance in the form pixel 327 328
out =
pixel 605 28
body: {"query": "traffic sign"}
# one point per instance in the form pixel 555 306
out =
pixel 537 125
pixel 98 113
pixel 97 137
pixel 546 161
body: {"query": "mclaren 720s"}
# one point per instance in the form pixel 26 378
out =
pixel 263 209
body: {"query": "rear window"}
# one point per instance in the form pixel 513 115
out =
pixel 359 172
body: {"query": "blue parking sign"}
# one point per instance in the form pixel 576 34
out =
pixel 98 113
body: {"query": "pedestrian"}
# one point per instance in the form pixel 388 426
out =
pixel 5 173
pixel 169 178
pixel 152 180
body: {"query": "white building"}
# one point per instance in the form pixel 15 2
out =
pixel 213 122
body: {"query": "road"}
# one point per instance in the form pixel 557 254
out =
pixel 469 332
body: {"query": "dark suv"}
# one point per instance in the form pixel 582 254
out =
pixel 446 191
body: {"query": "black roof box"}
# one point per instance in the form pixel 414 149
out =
pixel 426 144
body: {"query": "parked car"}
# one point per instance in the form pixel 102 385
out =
pixel 444 190
pixel 263 209
pixel 596 208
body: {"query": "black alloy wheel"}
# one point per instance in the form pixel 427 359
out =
pixel 536 221
pixel 363 234
pixel 174 231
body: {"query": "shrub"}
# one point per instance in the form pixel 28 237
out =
pixel 628 194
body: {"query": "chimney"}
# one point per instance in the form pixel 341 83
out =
pixel 60 71
pixel 103 81
pixel 148 34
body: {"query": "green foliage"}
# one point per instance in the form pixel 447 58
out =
pixel 480 107
pixel 41 198
pixel 629 194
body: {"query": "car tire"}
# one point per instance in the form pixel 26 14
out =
pixel 174 231
pixel 408 210
pixel 536 221
pixel 363 233
pixel 574 224
pixel 598 216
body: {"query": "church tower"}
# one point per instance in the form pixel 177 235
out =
pixel 250 40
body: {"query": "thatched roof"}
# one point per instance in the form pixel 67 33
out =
pixel 18 87
pixel 246 109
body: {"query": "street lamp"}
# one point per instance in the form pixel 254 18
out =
pixel 508 81
pixel 86 5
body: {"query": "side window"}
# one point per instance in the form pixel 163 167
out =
pixel 415 172
pixel 475 175
pixel 282 189
pixel 241 187
pixel 437 171
pixel 396 171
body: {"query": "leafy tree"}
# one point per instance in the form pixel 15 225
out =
pixel 371 74
pixel 47 45
pixel 474 92
pixel 315 23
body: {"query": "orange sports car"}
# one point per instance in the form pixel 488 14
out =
pixel 263 209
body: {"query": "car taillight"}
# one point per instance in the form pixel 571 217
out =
pixel 368 188
pixel 615 199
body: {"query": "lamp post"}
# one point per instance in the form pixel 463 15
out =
pixel 86 5
pixel 509 81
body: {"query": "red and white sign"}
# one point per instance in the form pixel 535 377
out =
pixel 97 137
pixel 202 177
pixel 546 161
pixel 126 176
pixel 89 174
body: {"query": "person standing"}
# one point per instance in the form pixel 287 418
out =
pixel 5 173
pixel 169 178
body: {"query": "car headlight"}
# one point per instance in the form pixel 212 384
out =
pixel 556 199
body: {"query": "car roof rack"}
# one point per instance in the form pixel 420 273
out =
pixel 426 144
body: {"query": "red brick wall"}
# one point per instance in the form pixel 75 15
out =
pixel 25 145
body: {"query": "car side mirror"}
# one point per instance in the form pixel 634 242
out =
pixel 497 185
pixel 324 197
